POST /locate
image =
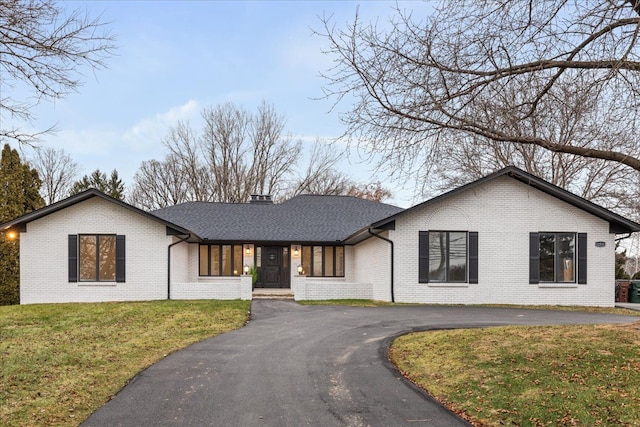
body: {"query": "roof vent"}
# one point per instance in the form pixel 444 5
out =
pixel 261 199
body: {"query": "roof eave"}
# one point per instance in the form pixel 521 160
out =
pixel 21 221
pixel 617 223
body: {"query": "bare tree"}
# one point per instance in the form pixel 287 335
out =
pixel 238 154
pixel 58 172
pixel 603 182
pixel 272 160
pixel 235 155
pixel 185 151
pixel 44 47
pixel 159 184
pixel 321 176
pixel 494 70
pixel 373 191
pixel 226 151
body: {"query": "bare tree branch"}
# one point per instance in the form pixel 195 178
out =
pixel 58 172
pixel 45 48
pixel 501 71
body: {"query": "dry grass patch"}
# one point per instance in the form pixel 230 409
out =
pixel 60 362
pixel 529 376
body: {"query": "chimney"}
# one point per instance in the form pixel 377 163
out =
pixel 261 199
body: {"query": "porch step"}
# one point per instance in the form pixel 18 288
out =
pixel 272 294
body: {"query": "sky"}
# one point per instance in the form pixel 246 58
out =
pixel 176 57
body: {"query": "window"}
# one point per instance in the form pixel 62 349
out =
pixel 448 257
pixel 220 260
pixel 96 258
pixel 555 256
pixel 323 261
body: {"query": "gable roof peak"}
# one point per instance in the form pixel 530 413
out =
pixel 618 224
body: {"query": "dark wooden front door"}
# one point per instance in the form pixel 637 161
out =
pixel 274 268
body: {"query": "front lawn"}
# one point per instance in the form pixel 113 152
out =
pixel 60 362
pixel 529 376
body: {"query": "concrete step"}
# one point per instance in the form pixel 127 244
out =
pixel 272 294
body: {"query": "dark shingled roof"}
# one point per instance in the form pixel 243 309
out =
pixel 304 218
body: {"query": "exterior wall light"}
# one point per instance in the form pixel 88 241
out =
pixel 296 252
pixel 246 269
pixel 247 250
pixel 12 235
pixel 300 270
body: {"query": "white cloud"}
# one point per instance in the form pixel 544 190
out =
pixel 148 132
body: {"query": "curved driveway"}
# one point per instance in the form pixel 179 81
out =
pixel 295 365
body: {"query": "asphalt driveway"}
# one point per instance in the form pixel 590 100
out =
pixel 296 365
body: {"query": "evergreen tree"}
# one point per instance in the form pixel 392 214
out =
pixel 19 185
pixel 111 186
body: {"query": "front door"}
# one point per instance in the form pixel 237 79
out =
pixel 274 267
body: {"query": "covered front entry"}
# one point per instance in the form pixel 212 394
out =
pixel 273 267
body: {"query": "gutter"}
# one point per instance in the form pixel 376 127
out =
pixel 169 263
pixel 391 243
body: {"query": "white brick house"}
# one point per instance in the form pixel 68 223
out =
pixel 508 238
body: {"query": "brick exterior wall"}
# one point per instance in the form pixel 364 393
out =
pixel 187 284
pixel 503 212
pixel 372 264
pixel 44 255
pixel 323 288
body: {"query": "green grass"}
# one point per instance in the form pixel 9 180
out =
pixel 60 362
pixel 375 303
pixel 529 376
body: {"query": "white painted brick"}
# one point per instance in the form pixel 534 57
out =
pixel 44 252
pixel 504 212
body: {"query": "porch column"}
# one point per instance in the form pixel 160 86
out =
pixel 299 287
pixel 246 285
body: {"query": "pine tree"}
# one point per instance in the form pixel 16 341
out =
pixel 19 185
pixel 111 186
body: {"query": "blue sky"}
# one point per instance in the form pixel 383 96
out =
pixel 174 58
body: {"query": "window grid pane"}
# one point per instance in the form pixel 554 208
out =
pixel 328 261
pixel 88 259
pixel 547 257
pixel 457 270
pixel 226 260
pixel 339 261
pixel 306 260
pixel 259 256
pixel 237 260
pixel 437 256
pixel 107 258
pixel 566 257
pixel 317 261
pixel 215 260
pixel 204 260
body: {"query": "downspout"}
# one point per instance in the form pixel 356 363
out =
pixel 169 263
pixel 391 243
pixel 625 237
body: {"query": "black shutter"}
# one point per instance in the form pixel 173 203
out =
pixel 473 257
pixel 423 257
pixel 582 258
pixel 73 258
pixel 120 258
pixel 534 258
